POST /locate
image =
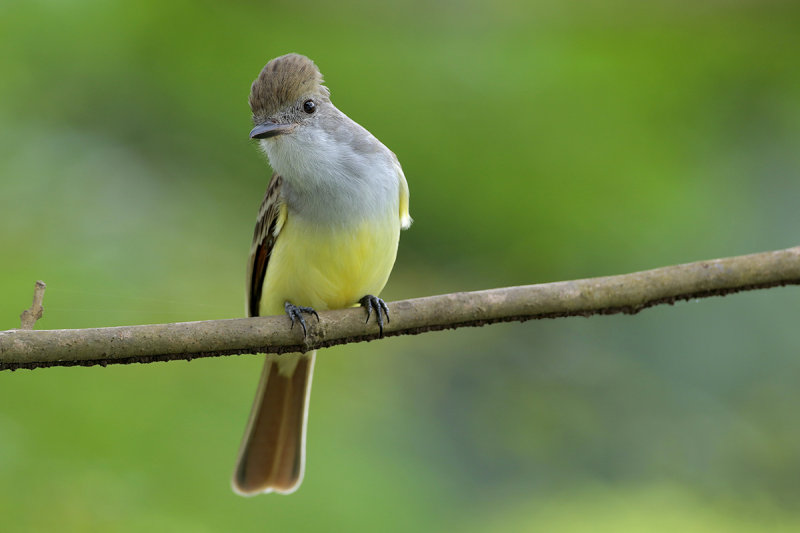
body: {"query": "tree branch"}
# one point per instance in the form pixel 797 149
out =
pixel 628 293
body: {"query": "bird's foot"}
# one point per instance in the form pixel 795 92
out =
pixel 295 312
pixel 371 303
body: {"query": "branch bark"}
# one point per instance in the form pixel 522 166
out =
pixel 627 293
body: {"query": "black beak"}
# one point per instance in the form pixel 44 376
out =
pixel 268 129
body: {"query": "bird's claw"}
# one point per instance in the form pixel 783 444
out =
pixel 295 313
pixel 370 303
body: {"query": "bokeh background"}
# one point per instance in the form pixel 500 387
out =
pixel 542 141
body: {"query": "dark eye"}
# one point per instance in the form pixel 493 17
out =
pixel 309 106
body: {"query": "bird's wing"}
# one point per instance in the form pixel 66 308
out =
pixel 271 217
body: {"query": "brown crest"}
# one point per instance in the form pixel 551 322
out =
pixel 282 82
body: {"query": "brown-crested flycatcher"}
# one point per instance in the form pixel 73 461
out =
pixel 325 238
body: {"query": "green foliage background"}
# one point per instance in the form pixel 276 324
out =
pixel 542 141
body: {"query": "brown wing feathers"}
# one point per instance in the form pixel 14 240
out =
pixel 263 241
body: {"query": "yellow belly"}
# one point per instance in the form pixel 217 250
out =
pixel 326 267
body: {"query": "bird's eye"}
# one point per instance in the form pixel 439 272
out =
pixel 309 106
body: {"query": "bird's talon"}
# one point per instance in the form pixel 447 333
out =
pixel 295 313
pixel 370 302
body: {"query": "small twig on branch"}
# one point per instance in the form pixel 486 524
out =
pixel 628 293
pixel 29 316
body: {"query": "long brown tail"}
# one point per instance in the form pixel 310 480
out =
pixel 272 455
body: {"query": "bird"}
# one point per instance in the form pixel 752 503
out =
pixel 326 237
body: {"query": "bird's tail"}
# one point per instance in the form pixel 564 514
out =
pixel 272 454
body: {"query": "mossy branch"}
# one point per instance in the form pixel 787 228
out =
pixel 627 293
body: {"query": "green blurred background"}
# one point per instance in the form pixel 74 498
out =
pixel 542 141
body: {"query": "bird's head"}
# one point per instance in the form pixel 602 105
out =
pixel 287 93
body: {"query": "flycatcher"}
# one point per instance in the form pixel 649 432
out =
pixel 325 238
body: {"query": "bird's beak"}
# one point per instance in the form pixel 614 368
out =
pixel 268 129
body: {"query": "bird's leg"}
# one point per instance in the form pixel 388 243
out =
pixel 371 302
pixel 295 312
